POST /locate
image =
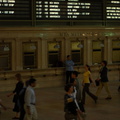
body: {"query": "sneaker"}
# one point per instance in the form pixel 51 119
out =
pixel 108 98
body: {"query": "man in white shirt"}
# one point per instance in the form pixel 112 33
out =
pixel 30 100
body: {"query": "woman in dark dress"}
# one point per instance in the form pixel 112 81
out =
pixel 16 92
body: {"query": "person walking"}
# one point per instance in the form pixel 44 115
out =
pixel 103 80
pixel 86 84
pixel 16 92
pixel 71 108
pixel 21 100
pixel 30 101
pixel 69 68
pixel 77 87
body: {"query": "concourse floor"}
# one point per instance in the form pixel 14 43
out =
pixel 50 104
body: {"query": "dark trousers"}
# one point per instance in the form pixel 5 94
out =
pixel 86 90
pixel 68 76
pixel 16 107
pixel 22 113
pixel 81 105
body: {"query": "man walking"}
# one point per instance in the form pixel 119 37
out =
pixel 30 101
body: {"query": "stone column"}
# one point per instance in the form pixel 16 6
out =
pixel 109 43
pixel 106 48
pixel 39 54
pixel 85 51
pixel 18 55
pixel 89 52
pixel 44 54
pixel 13 57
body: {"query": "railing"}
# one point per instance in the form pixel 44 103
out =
pixel 52 72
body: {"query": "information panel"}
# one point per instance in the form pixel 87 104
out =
pixel 69 9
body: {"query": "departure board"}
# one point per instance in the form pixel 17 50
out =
pixel 69 9
pixel 60 9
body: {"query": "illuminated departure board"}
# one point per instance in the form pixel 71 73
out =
pixel 69 9
pixel 31 10
pixel 113 9
pixel 15 9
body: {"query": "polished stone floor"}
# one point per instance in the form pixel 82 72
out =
pixel 50 104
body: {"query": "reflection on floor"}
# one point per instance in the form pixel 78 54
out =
pixel 50 104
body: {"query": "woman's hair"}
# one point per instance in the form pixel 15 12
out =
pixel 105 62
pixel 68 86
pixel 18 76
pixel 88 67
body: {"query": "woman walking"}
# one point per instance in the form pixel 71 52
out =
pixel 16 92
pixel 104 80
pixel 86 84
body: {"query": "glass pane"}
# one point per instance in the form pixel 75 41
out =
pixel 30 55
pixel 53 59
pixel 116 44
pixel 116 51
pixel 76 57
pixel 97 44
pixel 5 56
pixel 29 47
pixel 29 61
pixel 53 46
pixel 116 56
pixel 77 52
pixel 3 62
pixel 97 58
pixel 54 54
pixel 98 51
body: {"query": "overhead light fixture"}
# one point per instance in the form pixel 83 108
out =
pixel 33 47
pixel 57 46
pixel 101 45
pixel 80 45
pixel 6 48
